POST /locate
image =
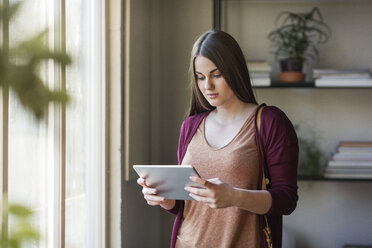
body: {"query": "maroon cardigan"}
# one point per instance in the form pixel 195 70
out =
pixel 280 146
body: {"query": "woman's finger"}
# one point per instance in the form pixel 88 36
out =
pixel 202 199
pixel 149 191
pixel 198 191
pixel 154 198
pixel 212 205
pixel 215 180
pixel 153 203
pixel 142 181
pixel 202 182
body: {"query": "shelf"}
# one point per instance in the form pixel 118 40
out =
pixel 310 84
pixel 299 1
pixel 307 179
pixel 277 84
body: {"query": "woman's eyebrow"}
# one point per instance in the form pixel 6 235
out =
pixel 215 69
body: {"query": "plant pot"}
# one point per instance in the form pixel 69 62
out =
pixel 291 76
pixel 291 64
pixel 291 70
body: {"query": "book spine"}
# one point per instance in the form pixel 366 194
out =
pixel 355 144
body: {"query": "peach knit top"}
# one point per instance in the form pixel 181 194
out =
pixel 236 164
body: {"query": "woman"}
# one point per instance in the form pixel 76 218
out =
pixel 220 139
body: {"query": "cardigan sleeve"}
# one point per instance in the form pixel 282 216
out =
pixel 181 142
pixel 176 207
pixel 281 153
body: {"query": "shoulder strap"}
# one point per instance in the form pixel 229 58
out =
pixel 266 183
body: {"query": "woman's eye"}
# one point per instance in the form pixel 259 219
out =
pixel 217 75
pixel 200 78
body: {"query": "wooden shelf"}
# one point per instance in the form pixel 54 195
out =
pixel 307 179
pixel 310 84
pixel 277 84
pixel 299 1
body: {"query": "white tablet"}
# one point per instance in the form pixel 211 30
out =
pixel 169 180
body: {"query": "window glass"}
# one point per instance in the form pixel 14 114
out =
pixel 35 151
pixel 31 143
pixel 76 128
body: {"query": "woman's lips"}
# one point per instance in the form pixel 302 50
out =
pixel 211 96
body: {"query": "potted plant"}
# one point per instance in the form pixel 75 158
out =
pixel 295 40
pixel 312 160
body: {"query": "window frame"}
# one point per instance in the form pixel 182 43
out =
pixel 98 194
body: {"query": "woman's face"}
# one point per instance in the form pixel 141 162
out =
pixel 212 84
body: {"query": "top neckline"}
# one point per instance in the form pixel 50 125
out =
pixel 236 135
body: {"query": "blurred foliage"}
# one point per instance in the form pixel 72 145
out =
pixel 22 230
pixel 20 72
pixel 312 160
pixel 20 66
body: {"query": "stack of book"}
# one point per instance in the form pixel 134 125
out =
pixel 259 72
pixel 342 78
pixel 353 160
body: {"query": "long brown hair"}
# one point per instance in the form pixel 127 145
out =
pixel 223 50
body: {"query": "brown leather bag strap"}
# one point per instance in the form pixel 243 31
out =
pixel 266 183
pixel 265 178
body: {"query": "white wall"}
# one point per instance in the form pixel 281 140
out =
pixel 331 214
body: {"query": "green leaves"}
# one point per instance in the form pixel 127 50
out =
pixel 22 229
pixel 20 69
pixel 34 51
pixel 10 12
pixel 299 33
pixel 312 160
pixel 19 210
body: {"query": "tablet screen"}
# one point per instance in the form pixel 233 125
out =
pixel 169 180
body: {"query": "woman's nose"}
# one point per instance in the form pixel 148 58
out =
pixel 208 84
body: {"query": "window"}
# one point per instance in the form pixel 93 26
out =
pixel 57 166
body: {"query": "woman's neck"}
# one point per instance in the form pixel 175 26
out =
pixel 235 111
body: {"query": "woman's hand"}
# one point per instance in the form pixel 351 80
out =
pixel 214 192
pixel 151 197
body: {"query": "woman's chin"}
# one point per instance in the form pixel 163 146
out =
pixel 213 102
